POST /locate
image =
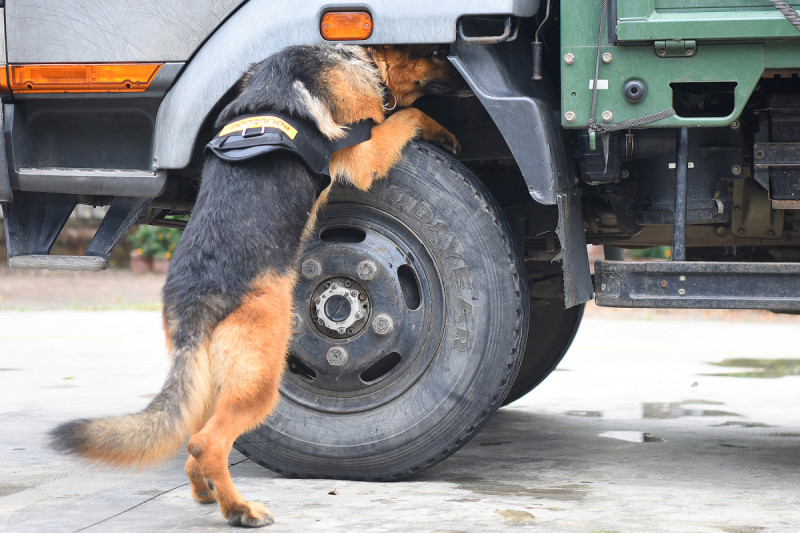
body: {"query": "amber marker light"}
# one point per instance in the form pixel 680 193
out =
pixel 346 26
pixel 4 89
pixel 92 78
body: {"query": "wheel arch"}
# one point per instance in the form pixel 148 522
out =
pixel 262 27
pixel 525 112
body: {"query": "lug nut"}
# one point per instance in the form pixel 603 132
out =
pixel 336 356
pixel 311 268
pixel 366 270
pixel 383 324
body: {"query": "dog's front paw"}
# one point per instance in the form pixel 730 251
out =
pixel 439 135
pixel 250 514
pixel 447 141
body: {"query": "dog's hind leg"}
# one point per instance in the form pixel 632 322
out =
pixel 248 352
pixel 200 491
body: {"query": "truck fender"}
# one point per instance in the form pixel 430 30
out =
pixel 524 111
pixel 260 28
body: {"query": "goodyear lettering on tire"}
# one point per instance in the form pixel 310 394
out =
pixel 447 246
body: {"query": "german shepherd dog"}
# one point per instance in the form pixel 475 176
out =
pixel 228 294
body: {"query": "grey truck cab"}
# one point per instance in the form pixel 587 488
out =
pixel 624 123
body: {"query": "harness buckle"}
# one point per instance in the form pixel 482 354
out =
pixel 245 130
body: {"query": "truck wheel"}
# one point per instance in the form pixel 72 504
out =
pixel 550 334
pixel 411 314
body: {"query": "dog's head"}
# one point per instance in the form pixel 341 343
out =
pixel 412 71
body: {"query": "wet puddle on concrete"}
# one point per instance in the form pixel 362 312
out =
pixel 631 436
pixel 513 517
pixel 759 368
pixel 742 424
pixel 496 443
pixel 486 487
pixel 7 489
pixel 656 410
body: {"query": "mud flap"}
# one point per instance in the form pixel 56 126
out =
pixel 573 255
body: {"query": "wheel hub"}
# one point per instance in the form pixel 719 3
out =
pixel 366 332
pixel 340 307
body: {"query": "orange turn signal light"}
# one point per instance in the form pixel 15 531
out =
pixel 346 26
pixel 92 78
pixel 4 89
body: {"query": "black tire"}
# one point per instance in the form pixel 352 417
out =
pixel 446 271
pixel 550 334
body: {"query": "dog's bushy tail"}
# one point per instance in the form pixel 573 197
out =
pixel 156 432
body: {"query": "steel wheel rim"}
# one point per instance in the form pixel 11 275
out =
pixel 370 368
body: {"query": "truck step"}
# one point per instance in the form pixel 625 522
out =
pixel 92 181
pixel 698 285
pixel 58 262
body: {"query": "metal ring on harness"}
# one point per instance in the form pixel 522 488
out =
pixel 394 105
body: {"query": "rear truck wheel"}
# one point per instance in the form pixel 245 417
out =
pixel 411 314
pixel 550 334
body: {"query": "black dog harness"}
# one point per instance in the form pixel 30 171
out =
pixel 251 136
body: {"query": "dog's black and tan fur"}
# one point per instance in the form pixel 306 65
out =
pixel 228 295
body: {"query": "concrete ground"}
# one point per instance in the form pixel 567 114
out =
pixel 637 430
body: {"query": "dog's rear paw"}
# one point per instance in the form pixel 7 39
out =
pixel 250 514
pixel 204 496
